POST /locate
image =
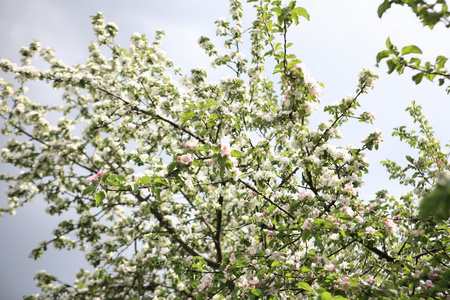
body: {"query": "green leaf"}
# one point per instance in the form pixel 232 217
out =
pixel 236 153
pixel 383 8
pixel 99 197
pixel 391 66
pixel 256 292
pixel 417 78
pixel 271 208
pixel 208 104
pixel 324 223
pixel 187 115
pixel 87 190
pixel 171 166
pixel 120 178
pixel 277 10
pixel 431 19
pixel 437 202
pixel 304 286
pixel 306 234
pixel 135 188
pixel 105 177
pixel 160 180
pixel 410 159
pixel 389 44
pixel 440 62
pixel 324 296
pixel 300 11
pixel 381 55
pixel 222 160
pixel 145 180
pixel 411 49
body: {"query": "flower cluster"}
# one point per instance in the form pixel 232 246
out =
pixel 96 176
pixel 185 159
pixel 366 80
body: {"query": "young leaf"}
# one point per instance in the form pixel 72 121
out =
pixel 99 197
pixel 417 78
pixel 236 153
pixel 304 286
pixel 300 11
pixel 381 55
pixel 222 160
pixel 383 7
pixel 145 180
pixel 187 115
pixel 160 180
pixel 171 166
pixel 391 66
pixel 440 62
pixel 411 49
pixel 87 190
pixel 324 296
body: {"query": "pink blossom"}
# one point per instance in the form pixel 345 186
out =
pixel 304 195
pixel 433 273
pixel 225 150
pixel 330 267
pixel 251 251
pixel 276 255
pixel 314 89
pixel 205 282
pixel 306 224
pixel 192 143
pixel 310 107
pixel 417 274
pixel 287 93
pixel 349 211
pixel 232 257
pixel 93 178
pixel 253 280
pixel 390 226
pixel 185 159
pixel 370 230
pixel 348 188
pixel 97 176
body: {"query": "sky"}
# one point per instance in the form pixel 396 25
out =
pixel 341 38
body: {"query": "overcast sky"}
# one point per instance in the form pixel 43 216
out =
pixel 342 38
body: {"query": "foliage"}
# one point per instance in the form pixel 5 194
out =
pixel 429 13
pixel 437 202
pixel 217 190
pixel 398 61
